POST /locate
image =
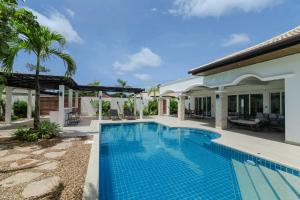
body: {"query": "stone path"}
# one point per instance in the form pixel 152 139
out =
pixel 18 161
pixel 40 188
pixel 19 178
pixel 13 157
pixel 55 154
pixel 48 165
pixel 23 163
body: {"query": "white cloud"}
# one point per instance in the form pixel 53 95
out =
pixel 142 59
pixel 216 8
pixel 143 77
pixel 70 12
pixel 153 9
pixel 59 23
pixel 237 39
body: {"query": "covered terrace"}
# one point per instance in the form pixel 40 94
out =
pixel 57 86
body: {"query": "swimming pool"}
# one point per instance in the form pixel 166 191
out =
pixel 152 161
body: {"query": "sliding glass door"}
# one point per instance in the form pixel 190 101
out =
pixel 257 104
pixel 203 106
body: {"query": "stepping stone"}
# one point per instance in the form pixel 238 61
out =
pixel 39 152
pixel 23 177
pixel 13 157
pixel 23 163
pixel 62 146
pixel 71 139
pixel 89 142
pixel 3 153
pixel 48 166
pixel 28 149
pixel 41 188
pixel 54 154
pixel 3 146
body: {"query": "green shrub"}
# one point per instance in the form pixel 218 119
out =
pixel 26 134
pixel 20 109
pixel 151 108
pixel 46 130
pixel 105 106
pixel 129 105
pixel 173 106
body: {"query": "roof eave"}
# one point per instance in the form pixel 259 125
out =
pixel 285 43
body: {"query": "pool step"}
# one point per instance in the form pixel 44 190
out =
pixel 259 182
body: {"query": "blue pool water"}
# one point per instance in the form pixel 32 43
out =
pixel 152 161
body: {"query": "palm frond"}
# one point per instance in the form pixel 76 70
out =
pixel 67 59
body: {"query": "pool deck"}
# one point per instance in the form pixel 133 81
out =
pixel 271 149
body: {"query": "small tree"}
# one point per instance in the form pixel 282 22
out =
pixel 173 106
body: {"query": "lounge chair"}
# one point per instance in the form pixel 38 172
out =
pixel 252 124
pixel 113 114
pixel 128 115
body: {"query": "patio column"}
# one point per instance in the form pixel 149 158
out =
pixel 29 104
pixel 70 99
pixel 76 99
pixel 181 107
pixel 141 106
pixel 100 105
pixel 221 109
pixel 134 104
pixel 8 104
pixel 61 106
pixel 160 106
pixel 168 106
pixel 266 101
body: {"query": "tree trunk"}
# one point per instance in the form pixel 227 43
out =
pixel 37 95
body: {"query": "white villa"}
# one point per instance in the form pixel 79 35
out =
pixel 261 79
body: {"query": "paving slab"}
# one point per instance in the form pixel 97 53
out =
pixel 61 146
pixel 39 152
pixel 3 152
pixel 23 177
pixel 28 148
pixel 13 157
pixel 55 154
pixel 48 166
pixel 23 163
pixel 41 188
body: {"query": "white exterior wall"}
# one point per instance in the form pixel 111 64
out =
pixel 88 110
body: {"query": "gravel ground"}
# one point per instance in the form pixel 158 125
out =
pixel 71 169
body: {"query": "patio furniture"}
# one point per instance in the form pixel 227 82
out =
pixel 128 115
pixel 252 124
pixel 114 115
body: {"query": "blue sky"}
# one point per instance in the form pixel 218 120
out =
pixel 147 42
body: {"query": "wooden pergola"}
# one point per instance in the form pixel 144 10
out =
pixel 55 85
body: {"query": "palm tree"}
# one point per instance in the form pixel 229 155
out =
pixel 154 90
pixel 41 42
pixel 123 84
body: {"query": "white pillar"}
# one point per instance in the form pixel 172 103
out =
pixel 134 104
pixel 266 101
pixel 61 106
pixel 76 100
pixel 181 107
pixel 29 104
pixel 8 104
pixel 221 109
pixel 70 99
pixel 160 106
pixel 100 105
pixel 141 107
pixel 168 106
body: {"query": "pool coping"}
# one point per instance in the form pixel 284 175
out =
pixel 91 185
pixel 92 182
